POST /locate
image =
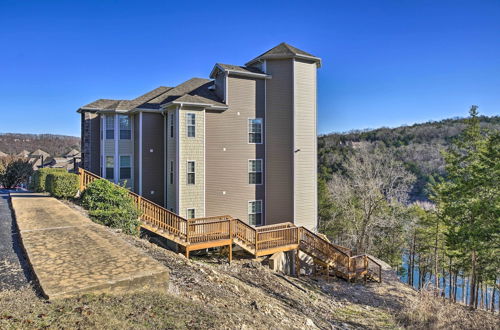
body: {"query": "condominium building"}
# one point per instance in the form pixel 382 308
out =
pixel 241 143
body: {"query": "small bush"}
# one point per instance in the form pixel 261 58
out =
pixel 40 176
pixel 111 205
pixel 62 184
pixel 14 171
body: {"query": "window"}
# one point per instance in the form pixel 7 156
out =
pixel 110 127
pixel 191 213
pixel 190 172
pixel 255 171
pixel 125 167
pixel 255 213
pixel 191 124
pixel 255 130
pixel 171 125
pixel 171 172
pixel 110 167
pixel 125 128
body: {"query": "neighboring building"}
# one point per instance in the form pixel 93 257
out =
pixel 242 143
pixel 72 153
pixel 23 154
pixel 40 154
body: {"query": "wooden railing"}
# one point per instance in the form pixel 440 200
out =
pixel 246 233
pixel 259 241
pixel 273 239
pixel 205 231
pixel 283 225
pixel 151 213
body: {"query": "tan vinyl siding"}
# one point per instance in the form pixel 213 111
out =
pixel 305 140
pixel 192 149
pixel 279 141
pixel 171 156
pixel 109 147
pixel 227 171
pixel 152 157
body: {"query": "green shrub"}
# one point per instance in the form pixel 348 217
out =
pixel 111 205
pixel 14 171
pixel 62 184
pixel 40 176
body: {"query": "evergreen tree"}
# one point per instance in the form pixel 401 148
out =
pixel 468 199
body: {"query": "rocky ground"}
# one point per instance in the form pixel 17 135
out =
pixel 207 292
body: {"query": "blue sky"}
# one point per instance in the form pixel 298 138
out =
pixel 385 63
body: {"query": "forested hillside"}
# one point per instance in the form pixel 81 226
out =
pixel 425 198
pixel 55 145
pixel 417 146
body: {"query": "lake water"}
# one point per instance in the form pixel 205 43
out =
pixel 430 281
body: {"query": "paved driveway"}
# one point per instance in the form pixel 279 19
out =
pixel 71 255
pixel 14 271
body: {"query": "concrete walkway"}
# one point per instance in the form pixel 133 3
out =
pixel 71 255
pixel 14 270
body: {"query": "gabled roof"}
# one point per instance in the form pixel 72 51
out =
pixel 285 50
pixel 72 153
pixel 124 105
pixel 24 153
pixel 100 104
pixel 238 70
pixel 40 152
pixel 192 91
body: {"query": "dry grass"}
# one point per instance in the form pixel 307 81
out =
pixel 428 312
pixel 22 309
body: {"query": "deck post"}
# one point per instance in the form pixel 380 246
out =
pixel 231 238
pixel 297 262
pixel 80 172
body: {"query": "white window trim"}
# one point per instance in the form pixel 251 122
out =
pixel 171 119
pixel 261 172
pixel 187 125
pixel 106 117
pixel 187 172
pixel 261 131
pixel 120 129
pixel 187 212
pixel 120 166
pixel 106 168
pixel 261 212
pixel 171 173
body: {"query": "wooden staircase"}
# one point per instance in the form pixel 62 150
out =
pixel 202 233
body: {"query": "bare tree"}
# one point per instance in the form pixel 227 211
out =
pixel 363 196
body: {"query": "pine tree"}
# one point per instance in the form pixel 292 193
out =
pixel 468 199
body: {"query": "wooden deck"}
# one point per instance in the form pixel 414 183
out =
pixel 203 233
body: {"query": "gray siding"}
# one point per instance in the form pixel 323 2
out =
pixel 136 152
pixel 91 142
pixel 152 157
pixel 279 142
pixel 227 188
pixel 305 174
pixel 172 160
pixel 220 85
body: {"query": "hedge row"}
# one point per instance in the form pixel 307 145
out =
pixel 62 184
pixel 40 176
